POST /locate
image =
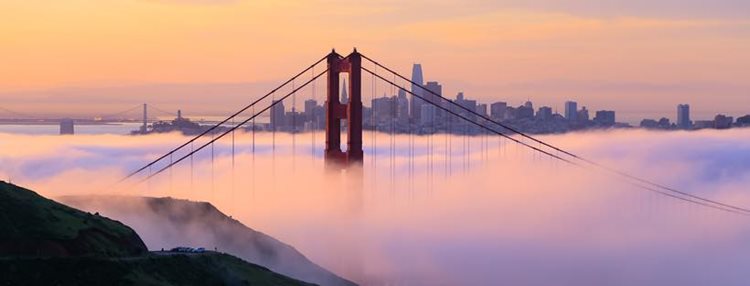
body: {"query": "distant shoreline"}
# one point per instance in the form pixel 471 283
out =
pixel 52 123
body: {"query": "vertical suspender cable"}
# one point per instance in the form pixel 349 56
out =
pixel 313 117
pixel 273 127
pixel 170 174
pixel 231 196
pixel 468 145
pixel 212 167
pixel 375 138
pixel 294 126
pixel 252 174
pixel 373 124
pixel 273 142
pixel 393 131
pixel 446 133
pixel 191 168
pixel 373 131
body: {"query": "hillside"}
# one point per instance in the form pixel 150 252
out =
pixel 201 224
pixel 199 269
pixel 43 242
pixel 31 225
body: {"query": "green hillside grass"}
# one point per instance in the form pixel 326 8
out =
pixel 31 225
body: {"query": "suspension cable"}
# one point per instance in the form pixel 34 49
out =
pixel 222 122
pixel 236 126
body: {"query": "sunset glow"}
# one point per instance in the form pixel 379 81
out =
pixel 608 56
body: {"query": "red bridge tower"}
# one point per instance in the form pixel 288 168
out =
pixel 336 111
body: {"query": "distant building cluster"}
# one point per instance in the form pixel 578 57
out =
pixel 720 121
pixel 179 124
pixel 424 111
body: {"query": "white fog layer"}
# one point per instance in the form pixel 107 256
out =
pixel 505 217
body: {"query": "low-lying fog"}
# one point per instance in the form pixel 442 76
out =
pixel 504 217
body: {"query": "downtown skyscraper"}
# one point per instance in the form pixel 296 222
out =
pixel 344 99
pixel 571 111
pixel 416 88
pixel 683 116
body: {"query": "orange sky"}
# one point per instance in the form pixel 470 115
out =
pixel 609 57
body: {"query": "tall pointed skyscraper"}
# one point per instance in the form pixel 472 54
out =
pixel 416 103
pixel 344 95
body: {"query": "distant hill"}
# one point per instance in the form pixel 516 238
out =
pixel 182 270
pixel 43 242
pixel 31 225
pixel 165 222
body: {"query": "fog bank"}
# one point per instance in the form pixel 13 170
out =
pixel 492 213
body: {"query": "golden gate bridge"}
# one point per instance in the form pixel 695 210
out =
pixel 351 112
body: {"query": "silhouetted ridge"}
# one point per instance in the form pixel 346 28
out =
pixel 166 222
pixel 31 225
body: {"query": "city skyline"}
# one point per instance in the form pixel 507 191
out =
pixel 635 119
pixel 426 110
pixel 413 107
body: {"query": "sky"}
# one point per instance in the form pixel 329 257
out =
pixel 639 57
pixel 508 218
